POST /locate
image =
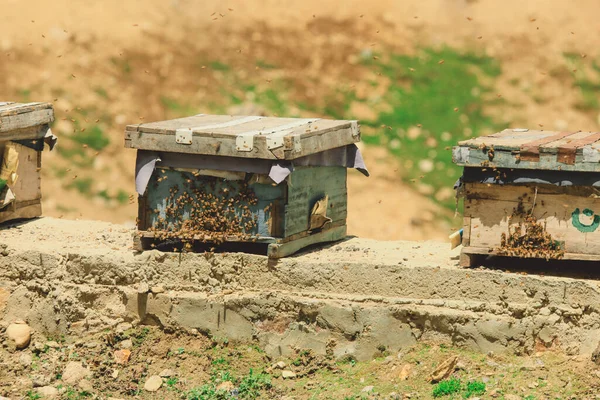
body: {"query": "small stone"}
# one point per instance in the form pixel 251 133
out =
pixel 19 333
pixel 405 372
pixel 367 389
pixel 47 392
pixel 166 373
pixel 53 344
pixel 157 289
pixel 143 288
pixel 123 326
pixel 388 360
pixel 126 344
pixel 25 359
pixel 122 356
pixel 279 365
pixel 115 374
pixel 74 372
pixel 153 383
pixel 444 370
pixel 485 379
pixel 86 386
pixel 226 386
pixel 288 375
pixel 40 381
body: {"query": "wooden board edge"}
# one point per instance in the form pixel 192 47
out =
pixel 280 250
pixel 472 250
pixel 26 211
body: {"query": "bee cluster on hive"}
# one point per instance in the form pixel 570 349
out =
pixel 214 212
pixel 529 238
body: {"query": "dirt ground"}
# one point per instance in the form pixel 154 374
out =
pixel 119 363
pixel 116 62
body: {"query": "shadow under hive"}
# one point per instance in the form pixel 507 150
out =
pixel 24 129
pixel 259 184
pixel 531 194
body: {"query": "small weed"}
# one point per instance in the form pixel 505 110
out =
pixel 474 388
pixel 252 384
pixel 207 392
pixel 220 362
pixel 139 338
pixel 530 397
pixel 447 387
pixel 31 395
pixel 171 382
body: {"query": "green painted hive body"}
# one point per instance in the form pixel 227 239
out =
pixel 222 179
pixel 281 210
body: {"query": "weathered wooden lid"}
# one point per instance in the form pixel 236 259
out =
pixel 532 149
pixel 18 116
pixel 243 136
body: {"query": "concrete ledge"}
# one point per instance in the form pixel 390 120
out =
pixel 354 299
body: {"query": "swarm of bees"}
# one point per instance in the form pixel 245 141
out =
pixel 215 212
pixel 529 238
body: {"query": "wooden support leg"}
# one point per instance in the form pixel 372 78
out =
pixel 471 260
pixel 279 250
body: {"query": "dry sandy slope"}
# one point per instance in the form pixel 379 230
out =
pixel 64 46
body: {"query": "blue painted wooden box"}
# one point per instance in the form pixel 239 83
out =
pixel 271 185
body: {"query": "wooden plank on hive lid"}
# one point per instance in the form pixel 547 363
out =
pixel 567 152
pixel 531 151
pixel 15 116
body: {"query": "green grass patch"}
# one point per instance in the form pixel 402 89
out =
pixel 474 388
pixel 431 106
pixel 586 78
pixel 175 109
pixel 447 387
pixel 93 137
pixel 218 66
pixel 249 387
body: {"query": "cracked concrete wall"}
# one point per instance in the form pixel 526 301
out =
pixel 353 299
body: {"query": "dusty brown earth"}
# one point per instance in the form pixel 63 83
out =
pixel 77 54
pixel 105 320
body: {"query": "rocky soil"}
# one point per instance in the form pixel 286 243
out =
pixel 144 362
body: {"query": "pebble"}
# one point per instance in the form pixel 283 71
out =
pixel 19 333
pixel 288 374
pixel 153 383
pixel 122 356
pixel 367 389
pixel 74 372
pixel 48 392
pixel 166 373
pixel 280 365
pixel 40 381
pixel 123 326
pixel 157 289
pixel 115 374
pixel 25 359
pixel 143 288
pixel 53 345
pixel 126 344
pixel 86 386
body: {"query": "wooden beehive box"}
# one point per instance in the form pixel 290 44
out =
pixel 242 182
pixel 531 194
pixel 24 128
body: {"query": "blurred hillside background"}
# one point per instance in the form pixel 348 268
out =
pixel 419 75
